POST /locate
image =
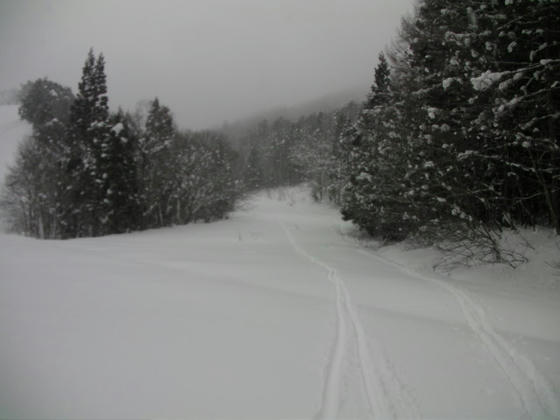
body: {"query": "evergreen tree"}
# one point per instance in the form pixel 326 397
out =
pixel 253 175
pixel 120 202
pixel 88 132
pixel 281 170
pixel 157 166
pixel 464 140
pixel 519 86
pixel 374 195
pixel 380 88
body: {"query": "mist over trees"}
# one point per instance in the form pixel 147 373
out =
pixel 285 152
pixel 88 172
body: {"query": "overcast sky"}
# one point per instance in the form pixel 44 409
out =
pixel 208 60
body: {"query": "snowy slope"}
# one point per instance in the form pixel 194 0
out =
pixel 12 131
pixel 277 312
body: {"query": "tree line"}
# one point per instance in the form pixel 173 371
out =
pixel 88 172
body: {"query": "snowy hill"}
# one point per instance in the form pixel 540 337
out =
pixel 278 312
pixel 12 131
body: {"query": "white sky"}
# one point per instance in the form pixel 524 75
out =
pixel 208 60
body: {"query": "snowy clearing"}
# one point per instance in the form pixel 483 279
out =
pixel 278 312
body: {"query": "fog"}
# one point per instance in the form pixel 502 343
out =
pixel 210 61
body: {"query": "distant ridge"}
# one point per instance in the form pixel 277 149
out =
pixel 325 103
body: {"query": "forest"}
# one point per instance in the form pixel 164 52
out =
pixel 457 140
pixel 88 172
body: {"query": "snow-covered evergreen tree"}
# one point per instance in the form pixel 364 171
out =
pixel 253 176
pixel 88 132
pixel 465 140
pixel 157 165
pixel 376 161
pixel 120 202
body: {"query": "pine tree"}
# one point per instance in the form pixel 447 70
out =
pixel 379 89
pixel 157 166
pixel 281 169
pixel 253 176
pixel 465 140
pixel 89 130
pixel 374 197
pixel 120 204
pixel 520 87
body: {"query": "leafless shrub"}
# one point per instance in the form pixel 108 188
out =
pixel 478 246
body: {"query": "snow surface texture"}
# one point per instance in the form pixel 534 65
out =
pixel 278 312
pixel 282 311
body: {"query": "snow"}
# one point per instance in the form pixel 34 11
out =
pixel 281 311
pixel 511 46
pixel 363 176
pixel 486 79
pixel 447 82
pixel 117 128
pixel 431 112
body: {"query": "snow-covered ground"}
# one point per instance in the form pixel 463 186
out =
pixel 274 313
pixel 278 312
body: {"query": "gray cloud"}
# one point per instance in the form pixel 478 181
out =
pixel 209 60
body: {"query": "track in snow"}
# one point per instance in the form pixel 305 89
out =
pixel 385 396
pixel 535 393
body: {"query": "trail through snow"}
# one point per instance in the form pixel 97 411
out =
pixel 536 394
pixel 385 396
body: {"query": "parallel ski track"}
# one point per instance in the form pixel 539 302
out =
pixel 535 393
pixel 385 395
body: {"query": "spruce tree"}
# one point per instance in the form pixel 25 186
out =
pixel 379 89
pixel 157 166
pixel 253 175
pixel 88 132
pixel 120 205
pixel 375 163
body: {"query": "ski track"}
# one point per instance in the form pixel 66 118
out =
pixel 385 395
pixel 535 393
